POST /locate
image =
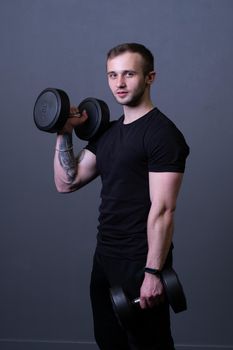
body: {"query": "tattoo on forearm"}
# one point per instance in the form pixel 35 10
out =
pixel 66 157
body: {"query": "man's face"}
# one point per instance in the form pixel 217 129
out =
pixel 126 78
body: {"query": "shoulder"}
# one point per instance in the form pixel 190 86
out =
pixel 158 121
pixel 161 129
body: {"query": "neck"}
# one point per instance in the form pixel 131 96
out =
pixel 132 113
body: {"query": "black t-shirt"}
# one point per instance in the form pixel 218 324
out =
pixel 125 154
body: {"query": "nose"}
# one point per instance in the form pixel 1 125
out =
pixel 120 81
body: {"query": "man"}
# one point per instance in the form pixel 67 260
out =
pixel 141 160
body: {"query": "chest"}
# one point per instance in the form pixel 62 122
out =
pixel 122 148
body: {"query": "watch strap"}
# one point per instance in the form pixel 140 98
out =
pixel 152 271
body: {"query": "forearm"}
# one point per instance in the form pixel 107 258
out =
pixel 65 169
pixel 164 188
pixel 159 235
pixel 70 172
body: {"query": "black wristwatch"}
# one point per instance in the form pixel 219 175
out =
pixel 152 271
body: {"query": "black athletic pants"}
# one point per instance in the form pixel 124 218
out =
pixel 151 327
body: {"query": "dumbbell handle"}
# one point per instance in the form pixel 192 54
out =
pixel 135 301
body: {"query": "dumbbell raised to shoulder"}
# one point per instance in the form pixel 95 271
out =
pixel 124 307
pixel 52 108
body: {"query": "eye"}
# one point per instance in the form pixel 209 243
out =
pixel 112 75
pixel 130 74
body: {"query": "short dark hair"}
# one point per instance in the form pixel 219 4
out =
pixel 146 54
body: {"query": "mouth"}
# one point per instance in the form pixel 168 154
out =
pixel 121 93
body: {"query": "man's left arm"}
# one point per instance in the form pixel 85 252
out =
pixel 164 189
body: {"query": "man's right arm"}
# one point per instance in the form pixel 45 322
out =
pixel 70 172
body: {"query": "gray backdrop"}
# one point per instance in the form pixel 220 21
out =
pixel 47 239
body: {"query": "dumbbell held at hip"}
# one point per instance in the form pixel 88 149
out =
pixel 124 307
pixel 52 108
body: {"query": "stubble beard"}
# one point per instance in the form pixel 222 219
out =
pixel 134 100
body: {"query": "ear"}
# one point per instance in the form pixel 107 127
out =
pixel 150 77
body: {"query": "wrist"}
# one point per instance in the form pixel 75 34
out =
pixel 151 271
pixel 64 142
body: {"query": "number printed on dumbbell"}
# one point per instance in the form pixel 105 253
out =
pixel 44 110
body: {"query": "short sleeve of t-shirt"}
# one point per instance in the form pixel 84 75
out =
pixel 166 149
pixel 92 146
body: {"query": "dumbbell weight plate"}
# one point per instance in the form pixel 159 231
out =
pixel 98 120
pixel 51 110
pixel 122 306
pixel 174 290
